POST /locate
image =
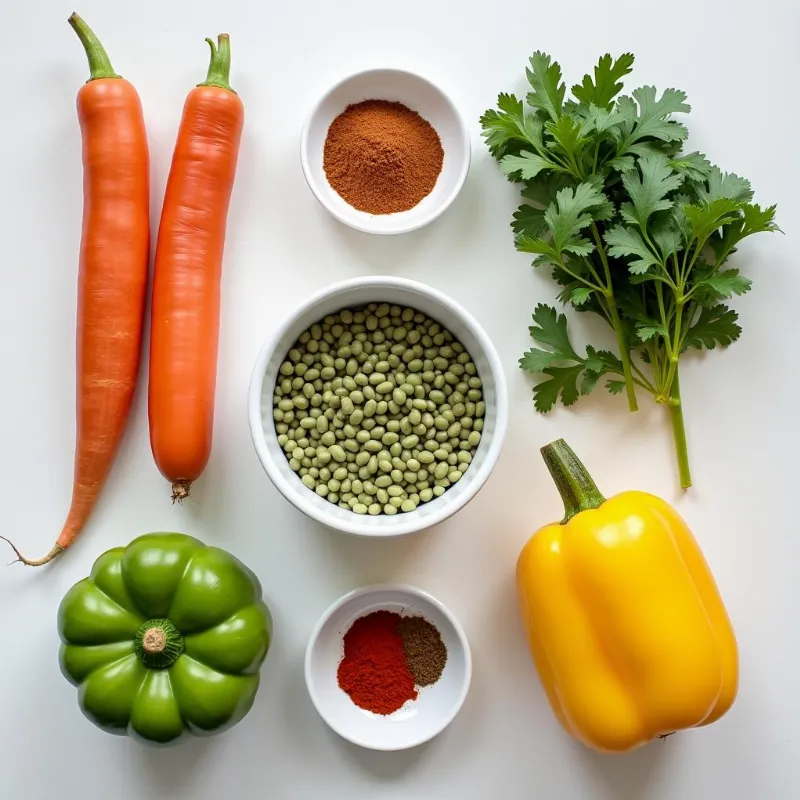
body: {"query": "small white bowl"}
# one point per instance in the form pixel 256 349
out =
pixel 417 721
pixel 419 95
pixel 356 292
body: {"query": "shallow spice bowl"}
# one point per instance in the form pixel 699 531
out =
pixel 356 292
pixel 417 721
pixel 418 94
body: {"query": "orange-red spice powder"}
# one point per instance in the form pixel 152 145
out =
pixel 382 157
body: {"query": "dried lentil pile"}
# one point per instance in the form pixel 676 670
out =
pixel 378 409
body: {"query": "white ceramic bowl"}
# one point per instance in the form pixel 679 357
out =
pixel 354 293
pixel 417 721
pixel 421 96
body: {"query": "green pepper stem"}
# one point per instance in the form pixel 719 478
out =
pixel 158 643
pixel 573 481
pixel 99 62
pixel 219 68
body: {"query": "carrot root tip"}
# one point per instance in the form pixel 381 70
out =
pixel 38 562
pixel 180 491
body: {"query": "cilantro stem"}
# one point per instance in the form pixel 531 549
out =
pixel 594 272
pixel 643 382
pixel 652 349
pixel 679 433
pixel 576 170
pixel 673 351
pixel 663 313
pixel 616 322
pixel 582 280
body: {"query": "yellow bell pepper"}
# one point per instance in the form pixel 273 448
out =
pixel 627 628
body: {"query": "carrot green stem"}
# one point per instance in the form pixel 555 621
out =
pixel 679 433
pixel 99 62
pixel 219 68
pixel 573 481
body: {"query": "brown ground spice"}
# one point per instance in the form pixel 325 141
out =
pixel 426 654
pixel 382 157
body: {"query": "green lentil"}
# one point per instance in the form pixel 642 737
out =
pixel 378 409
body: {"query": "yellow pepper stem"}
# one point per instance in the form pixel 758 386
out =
pixel 573 481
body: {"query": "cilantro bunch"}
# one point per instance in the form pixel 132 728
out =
pixel 631 228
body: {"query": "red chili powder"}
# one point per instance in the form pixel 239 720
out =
pixel 374 670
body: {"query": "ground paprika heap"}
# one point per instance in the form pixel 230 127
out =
pixel 373 670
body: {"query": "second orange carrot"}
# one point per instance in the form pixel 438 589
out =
pixel 188 267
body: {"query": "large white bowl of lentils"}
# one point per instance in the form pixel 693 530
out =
pixel 379 407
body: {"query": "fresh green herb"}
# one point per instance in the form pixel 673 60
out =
pixel 632 228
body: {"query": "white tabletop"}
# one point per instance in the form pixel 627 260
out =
pixel 739 64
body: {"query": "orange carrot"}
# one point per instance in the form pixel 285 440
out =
pixel 112 280
pixel 188 265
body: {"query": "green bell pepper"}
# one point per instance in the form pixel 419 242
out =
pixel 165 637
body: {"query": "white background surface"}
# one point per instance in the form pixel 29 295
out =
pixel 739 63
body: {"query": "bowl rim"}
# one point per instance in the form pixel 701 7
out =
pixel 373 589
pixel 406 524
pixel 436 211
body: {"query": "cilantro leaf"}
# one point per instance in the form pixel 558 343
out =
pixel 569 215
pixel 529 221
pixel 622 163
pixel 536 360
pixel 707 218
pixel 544 189
pixel 756 220
pixel 597 364
pixel 623 241
pixel 580 295
pixel 567 136
pixel 548 92
pixel 725 185
pixel 666 235
pixel 548 255
pixel 602 361
pixel 565 219
pixel 599 120
pixel 528 165
pixel 753 220
pixel 694 166
pixel 550 329
pixel 615 387
pixel 646 117
pixel 648 193
pixel 716 325
pixel 725 284
pixel 510 123
pixel 562 382
pixel 647 331
pixel 605 87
